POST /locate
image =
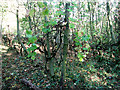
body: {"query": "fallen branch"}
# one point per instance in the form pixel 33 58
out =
pixel 29 84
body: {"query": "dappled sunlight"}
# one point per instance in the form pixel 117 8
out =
pixel 72 45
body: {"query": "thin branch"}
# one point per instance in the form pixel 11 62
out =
pixel 29 84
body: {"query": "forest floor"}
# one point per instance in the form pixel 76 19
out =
pixel 16 67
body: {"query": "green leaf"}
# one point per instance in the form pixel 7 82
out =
pixel 80 55
pixel 80 45
pixel 35 38
pixel 75 5
pixel 70 10
pixel 34 54
pixel 29 49
pixel 72 25
pixel 28 35
pixel 46 24
pixel 45 11
pixel 29 32
pixel 53 22
pixel 32 48
pixel 28 55
pixel 33 57
pixel 81 59
pixel 32 11
pixel 80 19
pixel 28 43
pixel 71 7
pixel 32 39
pixel 85 15
pixel 59 12
pixel 40 36
pixel 33 44
pixel 73 20
pixel 85 38
pixel 85 49
pixel 45 3
pixel 77 43
pixel 40 4
pixel 45 30
pixel 76 33
pixel 24 19
pixel 57 6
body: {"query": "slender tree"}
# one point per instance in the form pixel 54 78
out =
pixel 119 26
pixel 110 26
pixel 65 46
pixel 18 33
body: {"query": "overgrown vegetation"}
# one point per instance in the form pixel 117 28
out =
pixel 65 45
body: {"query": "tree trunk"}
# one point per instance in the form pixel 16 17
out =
pixel 65 46
pixel 0 34
pixel 18 34
pixel 0 58
pixel 91 17
pixel 49 53
pixel 110 26
pixel 119 26
pixel 1 27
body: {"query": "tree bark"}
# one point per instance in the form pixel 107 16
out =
pixel 119 26
pixel 18 34
pixel 65 46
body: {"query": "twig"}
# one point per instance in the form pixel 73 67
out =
pixel 29 84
